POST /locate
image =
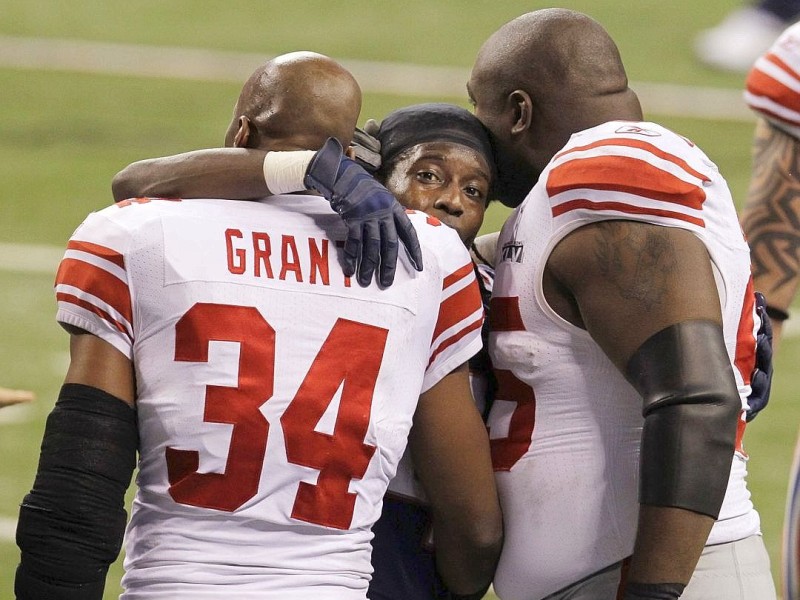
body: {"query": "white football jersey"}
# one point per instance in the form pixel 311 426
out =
pixel 274 396
pixel 773 83
pixel 565 426
pixel 405 484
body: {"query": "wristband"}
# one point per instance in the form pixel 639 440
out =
pixel 284 171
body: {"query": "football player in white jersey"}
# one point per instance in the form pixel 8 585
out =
pixel 273 399
pixel 623 335
pixel 770 221
pixel 435 158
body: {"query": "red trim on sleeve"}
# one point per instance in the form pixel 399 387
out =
pixel 97 282
pixel 641 145
pixel 98 250
pixel 453 339
pixel 457 307
pixel 565 207
pixel 457 275
pixel 69 298
pixel 762 85
pixel 627 175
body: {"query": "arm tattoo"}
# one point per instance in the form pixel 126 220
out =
pixel 635 258
pixel 771 216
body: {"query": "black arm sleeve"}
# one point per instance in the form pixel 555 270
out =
pixel 692 409
pixel 72 522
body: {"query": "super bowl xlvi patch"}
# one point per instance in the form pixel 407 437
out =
pixel 512 251
pixel 638 131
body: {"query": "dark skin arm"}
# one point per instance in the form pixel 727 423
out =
pixel 623 282
pixel 450 450
pixel 771 217
pixel 235 173
pixel 98 364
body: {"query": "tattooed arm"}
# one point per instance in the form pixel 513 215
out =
pixel 771 218
pixel 647 296
pixel 624 281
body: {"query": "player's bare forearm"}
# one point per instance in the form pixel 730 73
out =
pixel 450 449
pixel 771 215
pixel 671 546
pixel 234 173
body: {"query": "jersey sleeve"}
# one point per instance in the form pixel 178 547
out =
pixel 772 88
pixel 92 285
pixel 457 334
pixel 629 171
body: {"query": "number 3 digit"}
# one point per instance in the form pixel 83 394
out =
pixel 238 406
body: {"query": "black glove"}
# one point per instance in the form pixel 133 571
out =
pixel 375 219
pixel 761 378
pixel 653 591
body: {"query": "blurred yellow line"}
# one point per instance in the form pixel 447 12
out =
pixel 8 528
pixel 30 258
pixel 375 77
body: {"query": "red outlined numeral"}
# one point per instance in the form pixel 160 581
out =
pixel 340 457
pixel 508 450
pixel 239 406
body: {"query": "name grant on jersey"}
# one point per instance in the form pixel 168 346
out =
pixel 261 255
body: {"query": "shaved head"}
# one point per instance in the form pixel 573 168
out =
pixel 542 77
pixel 296 101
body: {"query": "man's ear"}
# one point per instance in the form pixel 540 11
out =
pixel 242 136
pixel 523 111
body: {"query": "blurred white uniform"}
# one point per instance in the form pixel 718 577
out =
pixel 274 399
pixel 773 91
pixel 565 427
pixel 773 84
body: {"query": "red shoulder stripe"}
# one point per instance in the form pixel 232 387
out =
pixel 457 275
pixel 97 282
pixel 624 174
pixel 641 145
pixel 624 208
pixel 457 307
pixel 453 339
pixel 761 84
pixel 98 250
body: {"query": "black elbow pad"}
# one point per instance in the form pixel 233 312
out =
pixel 692 409
pixel 71 524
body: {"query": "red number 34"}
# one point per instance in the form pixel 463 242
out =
pixel 340 457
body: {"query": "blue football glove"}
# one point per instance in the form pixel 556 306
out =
pixel 761 378
pixel 375 219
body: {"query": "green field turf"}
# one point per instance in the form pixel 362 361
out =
pixel 64 134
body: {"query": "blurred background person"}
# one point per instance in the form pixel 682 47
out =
pixel 771 221
pixel 744 34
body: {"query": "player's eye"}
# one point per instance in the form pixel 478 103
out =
pixel 428 176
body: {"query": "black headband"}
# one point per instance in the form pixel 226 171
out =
pixel 433 122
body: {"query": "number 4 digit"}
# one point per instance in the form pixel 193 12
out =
pixel 342 456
